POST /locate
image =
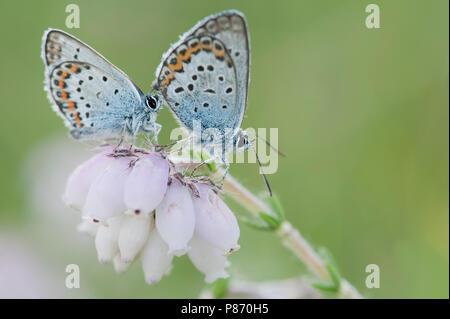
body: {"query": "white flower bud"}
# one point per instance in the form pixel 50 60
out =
pixel 105 197
pixel 80 180
pixel 175 218
pixel 88 227
pixel 119 266
pixel 156 261
pixel 133 235
pixel 106 240
pixel 215 223
pixel 147 183
pixel 208 259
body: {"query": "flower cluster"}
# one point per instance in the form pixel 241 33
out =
pixel 134 202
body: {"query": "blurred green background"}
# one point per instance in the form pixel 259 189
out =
pixel 362 115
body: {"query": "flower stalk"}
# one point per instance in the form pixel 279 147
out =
pixel 293 240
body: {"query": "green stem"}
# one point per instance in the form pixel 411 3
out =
pixel 289 236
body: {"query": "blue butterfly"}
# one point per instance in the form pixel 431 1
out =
pixel 204 78
pixel 95 99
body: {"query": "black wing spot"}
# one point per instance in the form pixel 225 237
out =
pixel 221 78
pixel 87 115
pixel 176 103
pixel 179 89
pixel 116 91
pixel 68 66
pixel 75 56
pixel 210 91
pixel 195 109
pixel 107 103
pixel 194 77
pixel 87 67
pixel 229 90
pixel 191 87
pixel 90 77
pixel 205 104
pixel 210 68
pixel 78 49
pixel 81 97
pixel 237 53
pixel 80 82
pixel 59 73
pixel 78 89
pixel 88 105
pixel 92 124
pixel 200 68
pixel 105 79
pixel 224 106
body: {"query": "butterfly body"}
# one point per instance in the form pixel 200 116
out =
pixel 204 78
pixel 95 99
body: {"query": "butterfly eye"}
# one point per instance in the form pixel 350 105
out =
pixel 242 141
pixel 151 101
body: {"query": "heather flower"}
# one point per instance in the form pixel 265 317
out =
pixel 81 179
pixel 147 184
pixel 215 223
pixel 175 218
pixel 208 259
pixel 137 203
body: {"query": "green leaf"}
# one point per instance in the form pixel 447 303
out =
pixel 272 222
pixel 253 221
pixel 333 271
pixel 324 287
pixel 331 265
pixel 276 206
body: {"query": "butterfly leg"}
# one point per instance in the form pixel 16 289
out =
pixel 225 173
pixel 116 149
pixel 157 128
pixel 209 160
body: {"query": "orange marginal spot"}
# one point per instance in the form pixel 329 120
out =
pixel 64 95
pixel 65 75
pixel 61 84
pixel 71 105
pixel 206 47
pixel 169 79
pixel 77 119
pixel 74 69
pixel 185 57
pixel 219 54
pixel 176 67
pixel 194 49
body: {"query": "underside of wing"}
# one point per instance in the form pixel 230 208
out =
pixel 230 28
pixel 92 102
pixel 86 90
pixel 59 46
pixel 198 82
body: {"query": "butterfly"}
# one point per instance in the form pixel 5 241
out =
pixel 204 78
pixel 95 99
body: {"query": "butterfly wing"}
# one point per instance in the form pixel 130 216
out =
pixel 94 98
pixel 228 28
pixel 199 83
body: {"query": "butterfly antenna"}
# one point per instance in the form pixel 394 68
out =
pixel 264 175
pixel 272 147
